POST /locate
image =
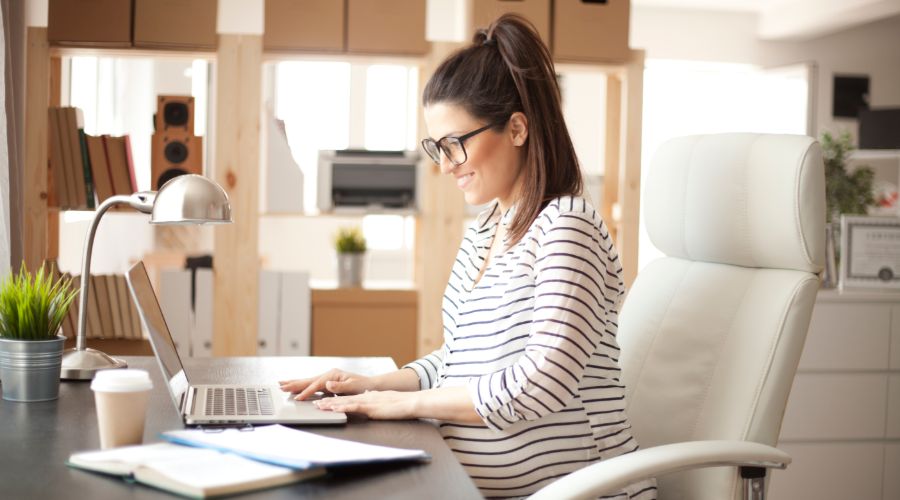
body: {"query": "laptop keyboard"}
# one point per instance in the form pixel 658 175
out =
pixel 225 401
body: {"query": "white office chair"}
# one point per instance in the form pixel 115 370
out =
pixel 711 334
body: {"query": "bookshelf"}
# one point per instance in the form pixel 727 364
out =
pixel 234 163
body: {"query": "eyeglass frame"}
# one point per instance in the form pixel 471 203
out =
pixel 461 139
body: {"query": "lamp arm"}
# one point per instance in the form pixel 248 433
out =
pixel 142 202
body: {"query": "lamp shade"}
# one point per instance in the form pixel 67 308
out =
pixel 191 199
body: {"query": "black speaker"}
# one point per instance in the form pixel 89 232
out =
pixel 174 113
pixel 879 128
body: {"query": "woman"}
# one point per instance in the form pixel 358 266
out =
pixel 526 386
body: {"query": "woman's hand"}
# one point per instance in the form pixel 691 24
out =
pixel 378 405
pixel 335 381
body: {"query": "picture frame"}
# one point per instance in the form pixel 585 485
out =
pixel 870 252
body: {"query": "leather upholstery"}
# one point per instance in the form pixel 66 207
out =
pixel 712 333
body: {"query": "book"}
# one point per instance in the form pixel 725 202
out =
pixel 280 445
pixel 86 162
pixel 130 159
pixel 118 164
pixel 102 181
pixel 99 281
pixel 124 308
pixel 57 160
pixel 67 181
pixel 73 124
pixel 94 325
pixel 118 331
pixel 191 472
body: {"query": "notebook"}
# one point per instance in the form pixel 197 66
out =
pixel 192 472
pixel 286 447
pixel 215 404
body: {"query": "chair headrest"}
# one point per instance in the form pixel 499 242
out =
pixel 752 200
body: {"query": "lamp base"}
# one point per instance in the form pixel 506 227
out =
pixel 84 364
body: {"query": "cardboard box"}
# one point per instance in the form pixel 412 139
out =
pixel 104 23
pixel 304 25
pixel 386 27
pixel 182 24
pixel 536 11
pixel 591 30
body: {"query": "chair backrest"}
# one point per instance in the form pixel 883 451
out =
pixel 711 334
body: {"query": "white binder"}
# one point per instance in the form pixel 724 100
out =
pixel 295 318
pixel 175 301
pixel 202 334
pixel 269 313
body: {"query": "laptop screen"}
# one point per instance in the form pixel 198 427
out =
pixel 160 338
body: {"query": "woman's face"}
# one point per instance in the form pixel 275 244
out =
pixel 494 159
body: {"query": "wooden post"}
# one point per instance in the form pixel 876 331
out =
pixel 611 160
pixel 34 178
pixel 630 165
pixel 237 143
pixel 439 227
pixel 53 215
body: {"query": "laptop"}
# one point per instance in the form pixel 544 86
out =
pixel 215 404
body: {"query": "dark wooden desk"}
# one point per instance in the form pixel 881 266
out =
pixel 37 438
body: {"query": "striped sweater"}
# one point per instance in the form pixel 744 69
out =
pixel 534 343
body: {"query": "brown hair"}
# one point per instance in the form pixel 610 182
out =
pixel 507 68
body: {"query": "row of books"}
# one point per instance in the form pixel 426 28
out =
pixel 111 313
pixel 86 170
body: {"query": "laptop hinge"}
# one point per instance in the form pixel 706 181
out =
pixel 190 398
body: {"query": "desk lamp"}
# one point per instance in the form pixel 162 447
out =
pixel 187 199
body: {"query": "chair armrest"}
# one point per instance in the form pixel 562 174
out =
pixel 609 476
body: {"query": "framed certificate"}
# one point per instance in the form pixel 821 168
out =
pixel 870 252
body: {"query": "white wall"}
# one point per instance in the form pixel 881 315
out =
pixel 872 49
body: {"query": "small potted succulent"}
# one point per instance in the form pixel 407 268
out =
pixel 351 249
pixel 32 308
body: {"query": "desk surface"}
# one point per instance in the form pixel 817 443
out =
pixel 37 438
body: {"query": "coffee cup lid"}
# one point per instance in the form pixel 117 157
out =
pixel 121 380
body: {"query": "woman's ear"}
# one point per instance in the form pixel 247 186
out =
pixel 518 128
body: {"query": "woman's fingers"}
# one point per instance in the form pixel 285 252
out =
pixel 296 385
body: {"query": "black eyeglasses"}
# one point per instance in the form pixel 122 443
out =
pixel 451 146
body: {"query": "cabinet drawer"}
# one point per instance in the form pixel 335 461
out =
pixel 186 24
pixel 893 414
pixel 386 27
pixel 891 466
pixel 536 11
pixel 588 30
pixel 847 337
pixel 304 25
pixel 841 406
pixel 895 338
pixel 836 471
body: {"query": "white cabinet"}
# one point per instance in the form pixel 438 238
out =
pixel 842 422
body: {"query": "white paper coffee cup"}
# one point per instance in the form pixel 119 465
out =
pixel 121 399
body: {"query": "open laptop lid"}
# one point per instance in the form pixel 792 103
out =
pixel 160 338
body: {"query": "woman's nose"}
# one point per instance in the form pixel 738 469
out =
pixel 447 166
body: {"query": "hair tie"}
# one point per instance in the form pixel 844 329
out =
pixel 489 42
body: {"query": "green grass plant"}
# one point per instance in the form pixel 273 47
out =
pixel 32 307
pixel 350 240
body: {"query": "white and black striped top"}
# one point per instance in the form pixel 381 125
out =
pixel 535 343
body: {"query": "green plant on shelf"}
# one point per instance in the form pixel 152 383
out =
pixel 32 307
pixel 845 192
pixel 350 240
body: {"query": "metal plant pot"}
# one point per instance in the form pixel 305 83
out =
pixel 350 269
pixel 29 369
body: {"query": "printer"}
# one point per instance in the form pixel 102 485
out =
pixel 366 179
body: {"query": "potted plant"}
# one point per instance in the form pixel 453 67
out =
pixel 32 308
pixel 845 193
pixel 351 248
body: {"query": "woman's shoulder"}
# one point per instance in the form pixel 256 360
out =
pixel 563 209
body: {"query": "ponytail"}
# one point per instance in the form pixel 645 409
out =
pixel 508 69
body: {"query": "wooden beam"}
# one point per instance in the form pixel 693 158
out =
pixel 53 215
pixel 439 227
pixel 630 166
pixel 34 178
pixel 611 159
pixel 236 168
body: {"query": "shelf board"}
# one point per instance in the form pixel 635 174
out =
pixel 875 154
